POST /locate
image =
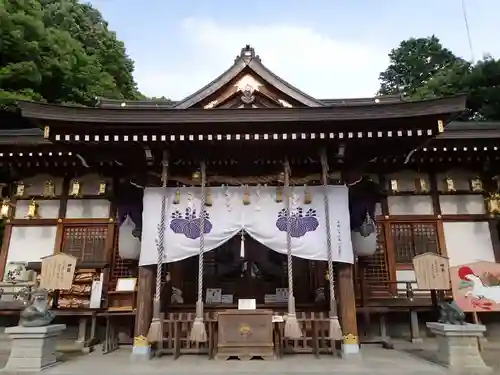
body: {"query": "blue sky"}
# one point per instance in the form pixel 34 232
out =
pixel 327 48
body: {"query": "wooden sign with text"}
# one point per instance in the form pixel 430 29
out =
pixel 58 271
pixel 432 271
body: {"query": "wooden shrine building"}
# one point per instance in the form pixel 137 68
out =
pixel 71 174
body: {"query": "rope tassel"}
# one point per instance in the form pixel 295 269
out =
pixel 292 328
pixel 198 331
pixel 335 331
pixel 155 333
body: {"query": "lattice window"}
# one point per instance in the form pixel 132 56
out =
pixel 87 243
pixel 412 239
pixel 376 265
pixel 121 268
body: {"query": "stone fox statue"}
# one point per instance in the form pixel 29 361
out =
pixel 37 313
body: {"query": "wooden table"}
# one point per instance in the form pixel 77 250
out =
pixel 87 340
pixel 111 342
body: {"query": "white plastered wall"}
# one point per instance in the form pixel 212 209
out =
pixel 88 208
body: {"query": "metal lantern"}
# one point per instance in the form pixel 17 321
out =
pixel 476 185
pixel 450 185
pixel 76 188
pixel 49 189
pixel 6 209
pixel 32 210
pixel 364 246
pixel 493 204
pixel 394 186
pixel 20 190
pixel 421 186
pixel 102 188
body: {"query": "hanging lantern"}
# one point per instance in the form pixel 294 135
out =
pixel 103 186
pixel 421 186
pixel 364 246
pixel 476 185
pixel 196 176
pixel 129 246
pixel 394 186
pixel 208 197
pixel 32 210
pixel 493 204
pixel 279 194
pixel 49 189
pixel 246 195
pixel 20 190
pixel 6 209
pixel 177 197
pixel 307 195
pixel 450 185
pixel 75 190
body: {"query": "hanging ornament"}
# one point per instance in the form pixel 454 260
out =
pixel 49 190
pixel 177 197
pixel 227 197
pixel 76 188
pixel 257 193
pixel 32 210
pixel 450 185
pixel 307 195
pixel 368 226
pixel 6 209
pixel 103 186
pixel 421 186
pixel 476 185
pixel 242 244
pixel 279 194
pixel 208 198
pixel 246 195
pixel 20 190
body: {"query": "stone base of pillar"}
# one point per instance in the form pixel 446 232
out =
pixel 458 347
pixel 141 351
pixel 33 348
pixel 350 351
pixel 350 347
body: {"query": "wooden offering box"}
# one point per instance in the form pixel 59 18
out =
pixel 245 334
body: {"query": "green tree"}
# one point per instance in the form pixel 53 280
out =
pixel 413 63
pixel 60 51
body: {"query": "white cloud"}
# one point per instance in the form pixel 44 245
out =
pixel 315 63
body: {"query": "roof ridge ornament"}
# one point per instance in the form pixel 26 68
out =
pixel 247 53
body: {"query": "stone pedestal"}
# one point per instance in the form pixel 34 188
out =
pixel 33 348
pixel 458 347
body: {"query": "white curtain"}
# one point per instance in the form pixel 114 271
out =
pixel 263 219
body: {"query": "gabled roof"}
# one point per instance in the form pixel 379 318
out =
pixel 354 112
pixel 248 60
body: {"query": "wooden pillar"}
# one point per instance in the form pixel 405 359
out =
pixel 347 308
pixel 490 186
pixel 144 312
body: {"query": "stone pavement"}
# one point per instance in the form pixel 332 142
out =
pixel 374 361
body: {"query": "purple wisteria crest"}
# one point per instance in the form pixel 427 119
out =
pixel 189 223
pixel 300 222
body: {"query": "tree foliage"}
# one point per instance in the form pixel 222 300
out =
pixel 422 69
pixel 413 63
pixel 60 51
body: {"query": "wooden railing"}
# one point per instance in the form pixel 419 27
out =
pixel 176 328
